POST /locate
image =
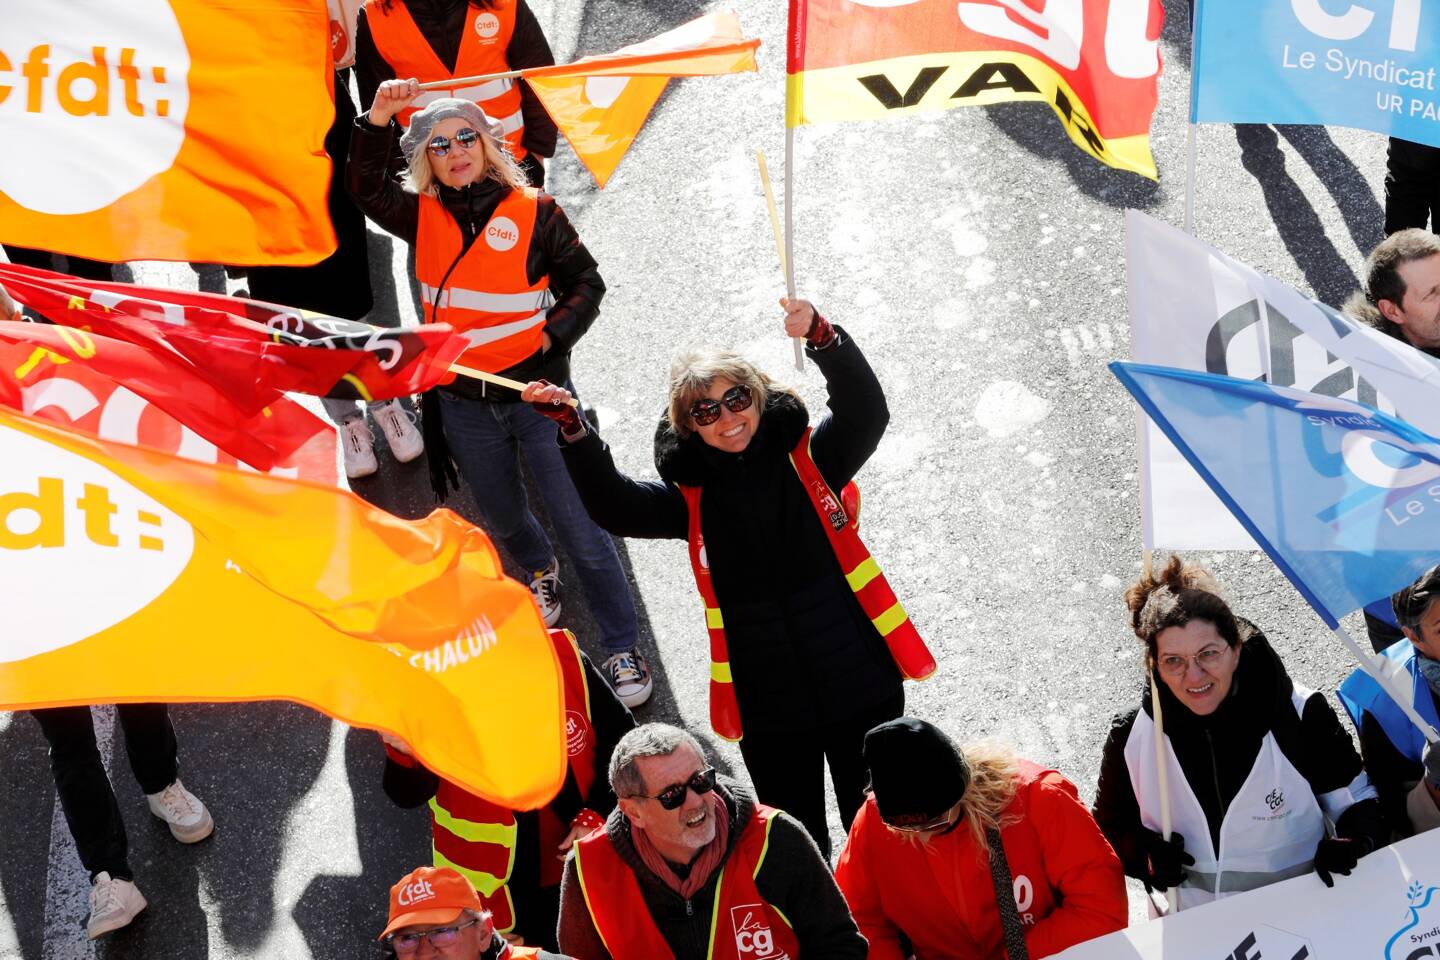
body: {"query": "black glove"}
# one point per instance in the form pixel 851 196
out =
pixel 1165 859
pixel 1431 761
pixel 1338 855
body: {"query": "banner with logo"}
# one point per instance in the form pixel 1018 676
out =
pixel 167 129
pixel 1369 64
pixel 1195 308
pixel 601 102
pixel 1345 499
pixel 1387 909
pixel 111 555
pixel 66 389
pixel 1096 62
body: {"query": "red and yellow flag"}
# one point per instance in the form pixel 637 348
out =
pixel 1096 62
pixel 167 130
pixel 601 102
pixel 131 575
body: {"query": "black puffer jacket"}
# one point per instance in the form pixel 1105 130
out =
pixel 1217 752
pixel 442 22
pixel 793 878
pixel 802 652
pixel 555 249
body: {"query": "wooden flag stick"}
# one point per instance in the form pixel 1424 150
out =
pixel 1162 774
pixel 470 81
pixel 779 245
pixel 496 379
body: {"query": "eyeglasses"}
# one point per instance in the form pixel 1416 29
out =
pixel 672 796
pixel 706 411
pixel 1173 665
pixel 929 826
pixel 405 944
pixel 466 137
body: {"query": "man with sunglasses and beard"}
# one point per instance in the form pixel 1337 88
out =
pixel 690 867
pixel 808 642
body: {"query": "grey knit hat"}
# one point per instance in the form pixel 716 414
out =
pixel 447 108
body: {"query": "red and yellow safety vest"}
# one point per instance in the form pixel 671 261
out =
pixel 839 517
pixel 743 926
pixel 476 838
pixel 482 52
pixel 484 292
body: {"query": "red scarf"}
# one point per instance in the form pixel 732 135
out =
pixel 706 863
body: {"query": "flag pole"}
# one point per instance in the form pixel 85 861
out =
pixel 790 226
pixel 1162 771
pixel 780 250
pixel 496 379
pixel 471 81
pixel 1376 667
pixel 1190 147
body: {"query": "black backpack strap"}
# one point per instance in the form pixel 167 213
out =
pixel 1010 923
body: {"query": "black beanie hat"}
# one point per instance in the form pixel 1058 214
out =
pixel 916 771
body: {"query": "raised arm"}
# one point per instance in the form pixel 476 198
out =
pixel 367 176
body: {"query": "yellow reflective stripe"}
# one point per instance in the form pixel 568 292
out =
pixel 890 619
pixel 781 915
pixel 715 914
pixel 764 848
pixel 359 386
pixel 867 570
pixel 713 619
pixel 486 883
pixel 720 671
pixel 472 831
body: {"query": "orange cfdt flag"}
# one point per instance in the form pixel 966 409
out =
pixel 280 590
pixel 1096 62
pixel 168 130
pixel 601 102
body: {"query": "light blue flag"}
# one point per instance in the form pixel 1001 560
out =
pixel 1370 64
pixel 1344 499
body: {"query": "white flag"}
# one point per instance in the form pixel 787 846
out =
pixel 1194 308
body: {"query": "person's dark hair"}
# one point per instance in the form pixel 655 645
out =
pixel 1172 597
pixel 1382 275
pixel 1411 603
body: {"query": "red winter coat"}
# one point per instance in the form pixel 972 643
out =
pixel 1069 885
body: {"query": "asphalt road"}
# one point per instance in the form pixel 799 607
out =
pixel 977 257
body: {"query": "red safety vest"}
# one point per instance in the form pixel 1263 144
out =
pixel 487 296
pixel 476 838
pixel 861 571
pixel 743 926
pixel 482 52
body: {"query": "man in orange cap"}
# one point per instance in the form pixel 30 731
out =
pixel 435 912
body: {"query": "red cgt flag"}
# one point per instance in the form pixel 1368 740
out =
pixel 243 343
pixel 32 353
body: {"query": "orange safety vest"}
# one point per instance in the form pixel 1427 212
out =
pixel 861 571
pixel 484 292
pixel 753 929
pixel 476 838
pixel 482 52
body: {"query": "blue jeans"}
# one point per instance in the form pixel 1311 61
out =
pixel 484 439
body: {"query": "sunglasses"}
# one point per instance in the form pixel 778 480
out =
pixel 466 137
pixel 672 796
pixel 928 826
pixel 705 411
pixel 405 944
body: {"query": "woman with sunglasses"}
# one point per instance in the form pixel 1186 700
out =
pixel 499 261
pixel 1264 782
pixel 751 486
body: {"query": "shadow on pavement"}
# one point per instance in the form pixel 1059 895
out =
pixel 1363 215
pixel 27 803
pixel 1300 227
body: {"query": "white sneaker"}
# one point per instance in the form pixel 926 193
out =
pixel 189 821
pixel 113 904
pixel 545 584
pixel 398 425
pixel 629 675
pixel 359 445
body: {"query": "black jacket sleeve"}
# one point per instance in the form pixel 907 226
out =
pixel 1116 810
pixel 611 720
pixel 529 48
pixel 796 880
pixel 646 509
pixel 851 431
pixel 371 69
pixel 407 784
pixel 367 176
pixel 1392 773
pixel 574 276
pixel 1332 763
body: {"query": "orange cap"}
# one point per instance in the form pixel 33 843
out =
pixel 429 895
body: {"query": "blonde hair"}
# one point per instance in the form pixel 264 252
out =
pixel 694 371
pixel 500 166
pixel 993 779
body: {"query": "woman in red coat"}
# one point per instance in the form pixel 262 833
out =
pixel 921 858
